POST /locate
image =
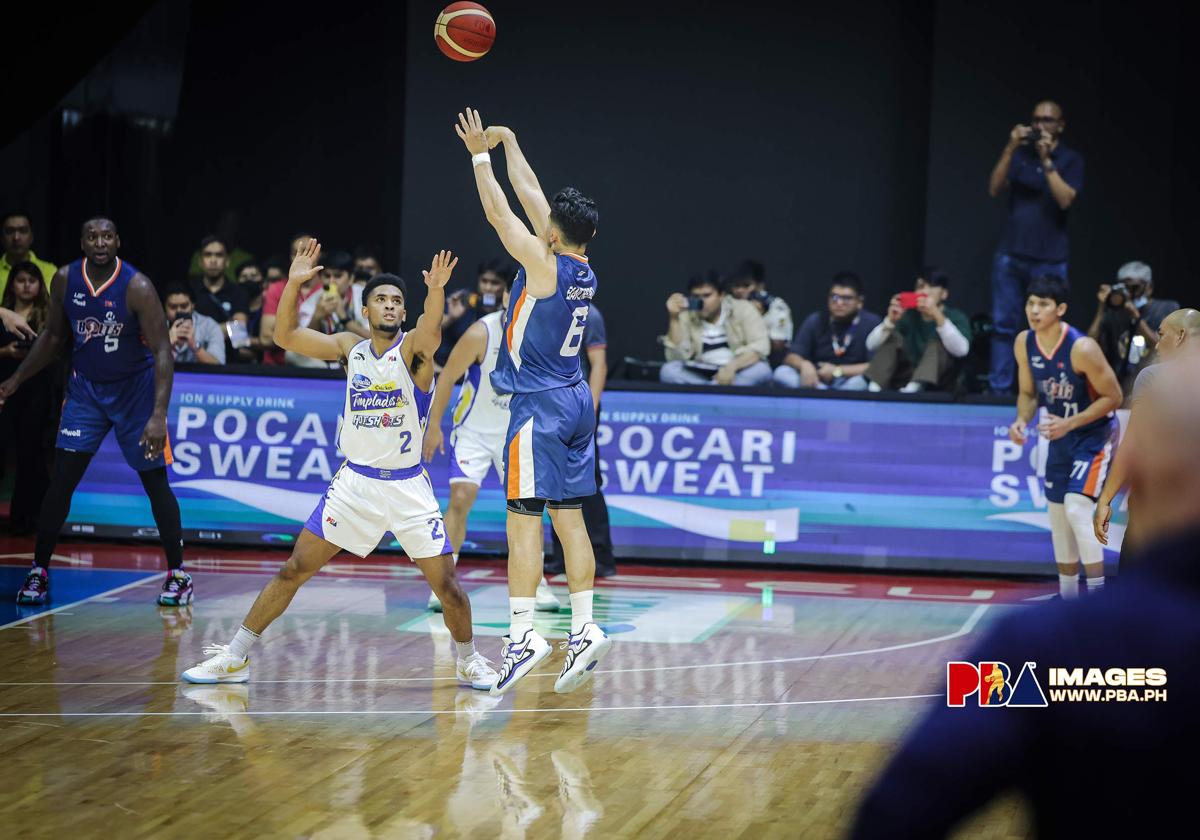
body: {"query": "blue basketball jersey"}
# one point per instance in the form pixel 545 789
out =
pixel 1061 389
pixel 543 336
pixel 108 338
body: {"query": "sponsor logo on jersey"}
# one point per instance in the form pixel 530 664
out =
pixel 80 299
pixel 89 327
pixel 1058 389
pixel 1036 362
pixel 359 357
pixel 329 520
pixel 378 421
pixel 360 382
pixel 71 432
pixel 377 400
pixel 581 293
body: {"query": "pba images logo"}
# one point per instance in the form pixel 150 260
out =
pixel 993 685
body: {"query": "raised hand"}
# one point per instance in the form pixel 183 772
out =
pixel 440 269
pixel 470 131
pixel 497 134
pixel 304 266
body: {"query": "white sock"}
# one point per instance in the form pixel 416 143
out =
pixel 465 649
pixel 242 642
pixel 1095 584
pixel 520 617
pixel 581 609
pixel 1068 587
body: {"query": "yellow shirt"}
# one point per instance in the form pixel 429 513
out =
pixel 48 270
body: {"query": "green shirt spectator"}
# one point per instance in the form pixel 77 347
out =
pixel 18 248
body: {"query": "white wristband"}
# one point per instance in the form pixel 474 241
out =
pixel 482 157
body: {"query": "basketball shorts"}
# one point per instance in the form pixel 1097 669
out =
pixel 548 453
pixel 472 453
pixel 363 504
pixel 91 409
pixel 1078 463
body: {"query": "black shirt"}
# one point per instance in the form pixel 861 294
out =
pixel 821 340
pixel 1037 226
pixel 222 304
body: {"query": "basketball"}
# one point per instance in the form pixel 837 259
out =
pixel 464 31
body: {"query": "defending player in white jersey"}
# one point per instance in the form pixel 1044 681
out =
pixel 381 487
pixel 477 439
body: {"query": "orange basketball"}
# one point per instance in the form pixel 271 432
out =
pixel 464 31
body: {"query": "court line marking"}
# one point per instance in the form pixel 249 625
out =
pixel 967 627
pixel 36 616
pixel 342 712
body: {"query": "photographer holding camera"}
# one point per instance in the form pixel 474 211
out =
pixel 194 336
pixel 749 282
pixel 1127 320
pixel 1044 178
pixel 714 339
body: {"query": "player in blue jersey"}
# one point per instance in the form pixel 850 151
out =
pixel 121 372
pixel 548 456
pixel 1065 372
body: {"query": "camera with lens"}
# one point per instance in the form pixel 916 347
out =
pixel 361 275
pixel 1117 296
pixel 695 304
pixel 1032 138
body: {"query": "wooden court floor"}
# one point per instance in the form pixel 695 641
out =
pixel 734 704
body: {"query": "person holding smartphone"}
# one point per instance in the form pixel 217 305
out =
pixel 713 338
pixel 920 344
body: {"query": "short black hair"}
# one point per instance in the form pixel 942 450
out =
pixel 749 269
pixel 362 252
pixel 1049 286
pixel 934 276
pixel 384 280
pixel 27 267
pixel 712 277
pixel 209 240
pixel 91 219
pixel 848 279
pixel 244 264
pixel 500 266
pixel 178 289
pixel 16 214
pixel 338 261
pixel 575 215
pixel 278 261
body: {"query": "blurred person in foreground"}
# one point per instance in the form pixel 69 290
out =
pixel 1178 337
pixel 958 759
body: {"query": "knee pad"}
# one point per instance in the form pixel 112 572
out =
pixel 1062 536
pixel 1079 512
pixel 566 504
pixel 527 507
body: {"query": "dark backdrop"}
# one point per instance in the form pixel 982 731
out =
pixel 815 137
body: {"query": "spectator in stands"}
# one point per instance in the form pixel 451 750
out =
pixel 215 294
pixel 1051 754
pixel 307 303
pixel 714 339
pixel 274 269
pixel 1044 178
pixel 920 347
pixel 1127 320
pixel 748 282
pixel 594 361
pixel 830 351
pixel 194 336
pixel 28 416
pixel 464 308
pixel 366 261
pixel 250 280
pixel 18 248
pixel 337 277
pixel 226 230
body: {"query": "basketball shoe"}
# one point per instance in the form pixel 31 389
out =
pixel 584 650
pixel 222 667
pixel 519 659
pixel 177 589
pixel 35 591
pixel 476 672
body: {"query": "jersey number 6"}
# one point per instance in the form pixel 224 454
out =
pixel 574 339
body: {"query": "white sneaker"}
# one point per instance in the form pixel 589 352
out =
pixel 519 659
pixel 545 600
pixel 434 603
pixel 223 667
pixel 584 650
pixel 476 672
